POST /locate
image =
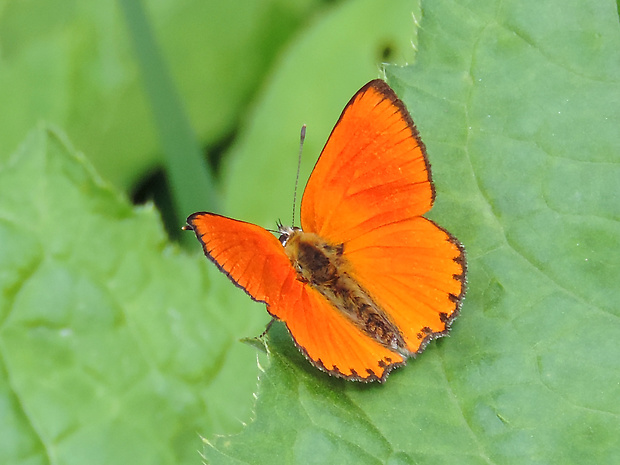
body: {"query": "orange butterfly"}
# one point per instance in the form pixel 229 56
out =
pixel 366 282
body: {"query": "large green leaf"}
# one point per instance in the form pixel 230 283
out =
pixel 108 352
pixel 519 105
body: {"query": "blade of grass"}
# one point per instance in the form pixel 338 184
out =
pixel 189 176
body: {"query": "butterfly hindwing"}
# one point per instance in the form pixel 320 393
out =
pixel 416 271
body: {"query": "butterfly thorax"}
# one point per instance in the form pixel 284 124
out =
pixel 324 267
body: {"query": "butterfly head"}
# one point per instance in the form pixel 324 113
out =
pixel 286 232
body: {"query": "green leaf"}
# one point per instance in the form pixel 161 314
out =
pixel 519 105
pixel 109 350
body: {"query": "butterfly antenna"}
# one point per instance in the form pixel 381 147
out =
pixel 302 137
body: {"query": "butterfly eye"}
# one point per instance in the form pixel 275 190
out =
pixel 285 233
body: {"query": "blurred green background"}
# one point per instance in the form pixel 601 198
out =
pixel 148 90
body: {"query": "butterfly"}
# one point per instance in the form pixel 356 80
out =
pixel 366 281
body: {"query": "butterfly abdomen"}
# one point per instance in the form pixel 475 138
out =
pixel 324 267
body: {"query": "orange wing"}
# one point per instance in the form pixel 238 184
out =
pixel 416 271
pixel 368 191
pixel 255 261
pixel 249 255
pixel 372 171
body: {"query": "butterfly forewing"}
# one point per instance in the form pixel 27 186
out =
pixel 249 255
pixel 372 171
